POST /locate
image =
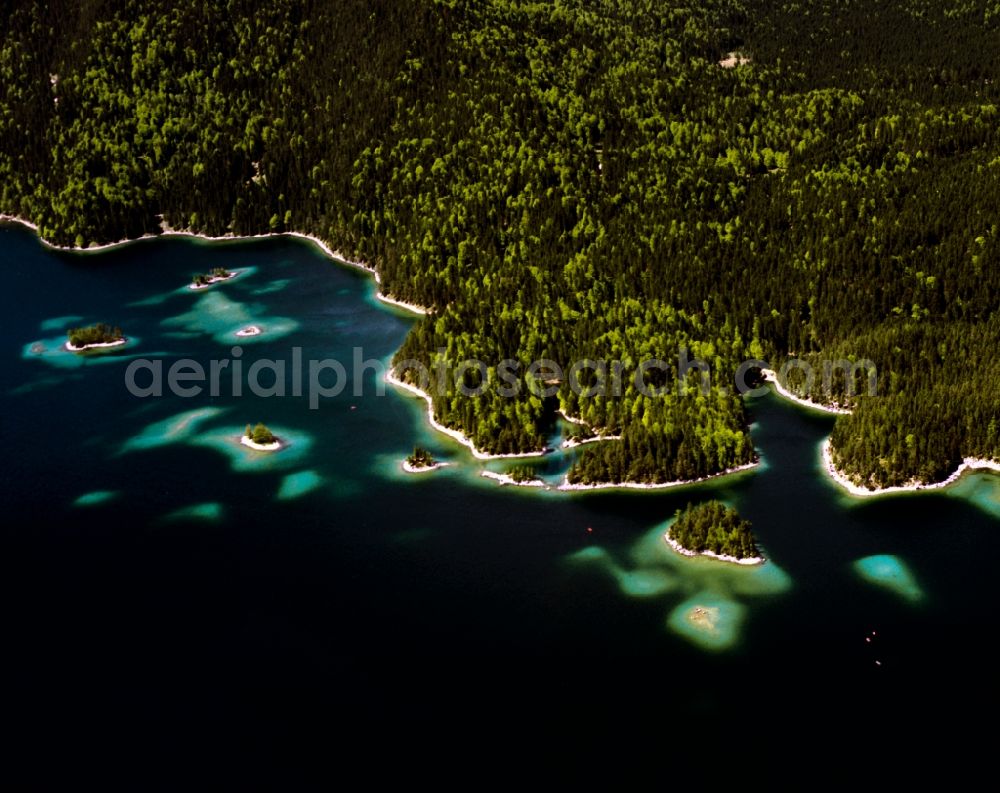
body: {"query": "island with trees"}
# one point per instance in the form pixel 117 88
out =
pixel 94 337
pixel 420 461
pixel 215 276
pixel 260 438
pixel 522 475
pixel 713 529
pixel 572 181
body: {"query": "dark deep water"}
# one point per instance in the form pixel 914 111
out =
pixel 214 610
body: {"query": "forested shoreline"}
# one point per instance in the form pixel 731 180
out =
pixel 570 180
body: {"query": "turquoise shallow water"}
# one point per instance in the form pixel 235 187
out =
pixel 146 543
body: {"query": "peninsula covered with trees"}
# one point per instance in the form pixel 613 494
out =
pixel 520 474
pixel 578 180
pixel 712 528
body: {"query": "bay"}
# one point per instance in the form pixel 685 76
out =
pixel 168 582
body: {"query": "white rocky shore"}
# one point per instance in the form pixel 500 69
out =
pixel 261 447
pixel 751 560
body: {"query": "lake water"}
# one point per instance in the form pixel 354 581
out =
pixel 183 591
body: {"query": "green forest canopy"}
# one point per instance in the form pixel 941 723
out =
pixel 421 458
pixel 259 434
pixel 523 473
pixel 217 273
pixel 101 333
pixel 567 180
pixel 712 526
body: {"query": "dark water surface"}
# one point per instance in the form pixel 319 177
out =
pixel 173 596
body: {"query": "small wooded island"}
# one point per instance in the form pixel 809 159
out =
pixel 217 274
pixel 94 337
pixel 260 438
pixel 421 460
pixel 713 529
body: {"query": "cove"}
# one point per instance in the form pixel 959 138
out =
pixel 315 575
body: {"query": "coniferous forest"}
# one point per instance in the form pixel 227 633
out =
pixel 712 526
pixel 579 179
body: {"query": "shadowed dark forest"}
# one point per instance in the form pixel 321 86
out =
pixel 570 180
